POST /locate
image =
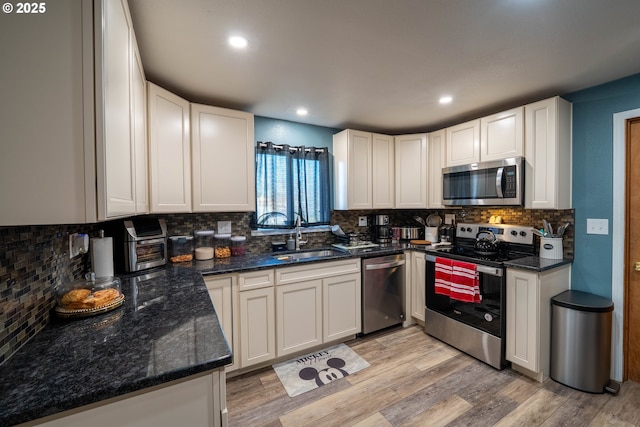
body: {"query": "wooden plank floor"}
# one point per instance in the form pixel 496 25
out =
pixel 416 380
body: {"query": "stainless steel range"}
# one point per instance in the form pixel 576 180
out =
pixel 476 327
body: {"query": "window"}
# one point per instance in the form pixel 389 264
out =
pixel 291 181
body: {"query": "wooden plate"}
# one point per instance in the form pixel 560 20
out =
pixel 420 242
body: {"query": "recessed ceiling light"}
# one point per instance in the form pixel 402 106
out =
pixel 238 42
pixel 302 111
pixel 445 99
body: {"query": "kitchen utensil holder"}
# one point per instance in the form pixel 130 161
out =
pixel 551 247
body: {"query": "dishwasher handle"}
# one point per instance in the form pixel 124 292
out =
pixel 384 265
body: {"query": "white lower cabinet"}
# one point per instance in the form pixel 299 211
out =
pixel 195 401
pixel 223 291
pixel 529 318
pixel 342 306
pixel 317 303
pixel 418 270
pixel 257 317
pixel 299 316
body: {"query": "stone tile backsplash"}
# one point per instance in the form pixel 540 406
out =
pixel 34 259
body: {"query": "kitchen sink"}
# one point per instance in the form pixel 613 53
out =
pixel 307 255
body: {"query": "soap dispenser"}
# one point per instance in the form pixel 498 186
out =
pixel 291 243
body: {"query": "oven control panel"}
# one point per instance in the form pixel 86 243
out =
pixel 507 233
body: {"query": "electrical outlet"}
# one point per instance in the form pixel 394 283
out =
pixel 224 227
pixel 597 226
pixel 362 221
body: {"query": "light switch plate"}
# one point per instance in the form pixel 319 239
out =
pixel 362 221
pixel 597 226
pixel 224 227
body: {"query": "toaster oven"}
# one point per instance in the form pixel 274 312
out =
pixel 145 244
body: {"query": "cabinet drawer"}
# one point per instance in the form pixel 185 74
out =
pixel 255 280
pixel 317 270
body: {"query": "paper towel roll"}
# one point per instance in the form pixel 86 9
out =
pixel 102 256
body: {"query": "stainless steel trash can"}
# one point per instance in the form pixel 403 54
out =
pixel 581 340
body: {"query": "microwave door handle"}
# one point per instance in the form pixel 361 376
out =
pixel 499 174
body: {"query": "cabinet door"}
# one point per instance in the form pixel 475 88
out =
pixel 115 150
pixel 418 282
pixel 342 306
pixel 257 326
pixel 169 151
pixel 383 171
pixel 299 316
pixel 47 159
pixel 548 154
pixel 463 143
pixel 360 170
pixel 523 319
pixel 436 142
pixel 222 290
pixel 502 135
pixel 197 401
pixel 223 160
pixel 139 118
pixel 411 171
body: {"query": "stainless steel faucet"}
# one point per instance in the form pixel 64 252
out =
pixel 299 240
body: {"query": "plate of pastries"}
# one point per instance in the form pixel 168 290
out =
pixel 89 297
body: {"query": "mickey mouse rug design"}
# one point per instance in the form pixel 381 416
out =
pixel 317 369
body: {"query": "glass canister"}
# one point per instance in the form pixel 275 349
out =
pixel 223 246
pixel 238 246
pixel 180 248
pixel 204 244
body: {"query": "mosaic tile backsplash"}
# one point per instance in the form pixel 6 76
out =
pixel 34 259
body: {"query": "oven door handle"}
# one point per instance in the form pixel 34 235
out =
pixel 384 265
pixel 484 269
pixel 150 241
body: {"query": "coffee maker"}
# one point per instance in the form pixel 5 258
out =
pixel 383 229
pixel 448 233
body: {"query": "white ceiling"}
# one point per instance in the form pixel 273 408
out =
pixel 381 65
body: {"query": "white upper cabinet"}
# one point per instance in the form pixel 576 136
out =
pixel 169 151
pixel 363 163
pixel 223 160
pixel 71 114
pixel 502 135
pixel 411 171
pixel 139 131
pixel 383 168
pixel 463 143
pixel 437 159
pixel 115 149
pixel 495 137
pixel 548 154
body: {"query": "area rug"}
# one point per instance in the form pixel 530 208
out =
pixel 316 369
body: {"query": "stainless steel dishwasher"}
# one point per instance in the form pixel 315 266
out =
pixel 382 292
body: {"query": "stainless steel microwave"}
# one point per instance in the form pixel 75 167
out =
pixel 495 183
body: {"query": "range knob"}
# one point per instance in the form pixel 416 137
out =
pixel 523 233
pixel 514 233
pixel 468 229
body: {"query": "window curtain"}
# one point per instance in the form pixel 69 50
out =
pixel 291 181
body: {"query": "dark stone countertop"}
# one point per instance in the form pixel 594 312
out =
pixel 538 264
pixel 72 363
pixel 166 329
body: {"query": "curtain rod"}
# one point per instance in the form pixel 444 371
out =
pixel 291 148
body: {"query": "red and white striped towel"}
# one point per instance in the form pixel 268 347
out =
pixel 457 280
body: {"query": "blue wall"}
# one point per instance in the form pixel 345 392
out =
pixel 292 133
pixel 593 111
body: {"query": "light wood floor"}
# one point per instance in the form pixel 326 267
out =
pixel 415 380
